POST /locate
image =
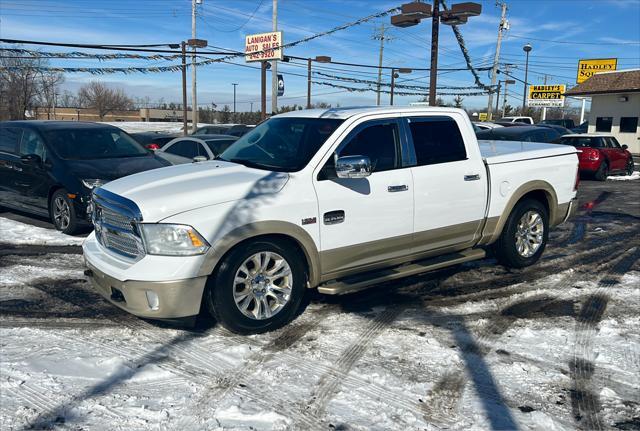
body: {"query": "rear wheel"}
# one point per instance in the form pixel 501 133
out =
pixel 257 288
pixel 630 166
pixel 62 212
pixel 603 172
pixel 524 236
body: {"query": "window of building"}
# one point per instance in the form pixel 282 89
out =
pixel 437 140
pixel 603 124
pixel 628 124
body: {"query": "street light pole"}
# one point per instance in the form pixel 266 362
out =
pixel 234 100
pixel 185 131
pixel 413 13
pixel 308 83
pixel 527 48
pixel 394 75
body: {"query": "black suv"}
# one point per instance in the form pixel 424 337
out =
pixel 50 168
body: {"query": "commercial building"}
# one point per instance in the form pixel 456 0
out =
pixel 615 105
pixel 87 114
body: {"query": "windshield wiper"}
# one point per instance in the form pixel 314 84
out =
pixel 255 165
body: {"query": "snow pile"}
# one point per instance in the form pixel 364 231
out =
pixel 633 176
pixel 15 232
pixel 153 126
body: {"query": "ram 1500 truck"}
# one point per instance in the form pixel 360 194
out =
pixel 336 199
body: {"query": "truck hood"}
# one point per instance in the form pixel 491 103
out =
pixel 164 192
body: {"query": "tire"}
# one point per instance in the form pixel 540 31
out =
pixel 519 253
pixel 62 212
pixel 603 172
pixel 630 166
pixel 224 293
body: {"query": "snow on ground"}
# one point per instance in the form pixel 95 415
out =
pixel 15 232
pixel 634 176
pixel 152 126
pixel 552 347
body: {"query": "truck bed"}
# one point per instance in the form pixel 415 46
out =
pixel 494 152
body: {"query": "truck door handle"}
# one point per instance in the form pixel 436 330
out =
pixel 400 188
pixel 473 177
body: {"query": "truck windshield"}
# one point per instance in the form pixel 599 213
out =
pixel 281 144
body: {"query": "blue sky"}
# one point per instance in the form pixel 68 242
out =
pixel 561 32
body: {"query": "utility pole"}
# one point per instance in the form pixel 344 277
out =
pixel 263 90
pixel 274 64
pixel 433 71
pixel 381 37
pixel 497 98
pixel 503 26
pixel 194 97
pixel 544 108
pixel 507 81
pixel 185 130
pixel 309 83
pixel 251 103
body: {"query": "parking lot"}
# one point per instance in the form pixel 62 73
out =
pixel 552 346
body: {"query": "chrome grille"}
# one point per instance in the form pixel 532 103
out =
pixel 116 231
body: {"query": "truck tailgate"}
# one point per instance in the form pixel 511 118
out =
pixel 494 152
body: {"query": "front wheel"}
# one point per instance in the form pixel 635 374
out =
pixel 524 236
pixel 63 213
pixel 258 287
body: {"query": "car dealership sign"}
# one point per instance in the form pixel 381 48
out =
pixel 588 68
pixel 546 96
pixel 263 46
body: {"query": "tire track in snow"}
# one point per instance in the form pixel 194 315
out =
pixel 330 382
pixel 585 401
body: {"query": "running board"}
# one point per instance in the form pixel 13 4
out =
pixel 360 282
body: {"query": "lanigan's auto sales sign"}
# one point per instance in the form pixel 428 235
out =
pixel 588 68
pixel 263 46
pixel 546 95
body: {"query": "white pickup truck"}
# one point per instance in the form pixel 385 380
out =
pixel 336 199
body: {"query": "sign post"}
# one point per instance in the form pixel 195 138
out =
pixel 588 68
pixel 545 96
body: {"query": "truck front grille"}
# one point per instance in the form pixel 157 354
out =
pixel 115 227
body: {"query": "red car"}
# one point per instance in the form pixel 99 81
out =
pixel 600 155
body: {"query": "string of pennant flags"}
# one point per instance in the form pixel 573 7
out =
pixel 81 55
pixel 385 84
pixel 397 93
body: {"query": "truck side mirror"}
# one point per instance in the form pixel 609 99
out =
pixel 353 167
pixel 197 159
pixel 625 146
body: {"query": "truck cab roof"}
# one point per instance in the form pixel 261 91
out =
pixel 347 112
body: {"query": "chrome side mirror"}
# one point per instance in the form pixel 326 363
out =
pixel 353 167
pixel 197 159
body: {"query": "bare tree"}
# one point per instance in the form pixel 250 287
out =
pixel 21 82
pixel 104 100
pixel 48 90
pixel 457 101
pixel 68 100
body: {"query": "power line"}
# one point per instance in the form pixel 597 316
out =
pixel 572 43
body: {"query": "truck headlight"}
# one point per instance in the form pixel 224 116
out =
pixel 172 239
pixel 93 183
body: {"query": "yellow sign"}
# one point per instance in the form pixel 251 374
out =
pixel 482 116
pixel 588 68
pixel 263 46
pixel 546 95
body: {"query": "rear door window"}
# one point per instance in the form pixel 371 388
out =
pixel 436 140
pixel 31 143
pixel 10 138
pixel 184 148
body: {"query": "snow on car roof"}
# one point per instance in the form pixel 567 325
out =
pixel 347 112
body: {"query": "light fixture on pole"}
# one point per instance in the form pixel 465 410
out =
pixel 527 48
pixel 413 13
pixel 318 59
pixel 395 74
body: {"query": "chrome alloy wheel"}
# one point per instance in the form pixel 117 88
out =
pixel 61 213
pixel 262 285
pixel 529 234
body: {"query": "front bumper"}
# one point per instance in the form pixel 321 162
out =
pixel 159 299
